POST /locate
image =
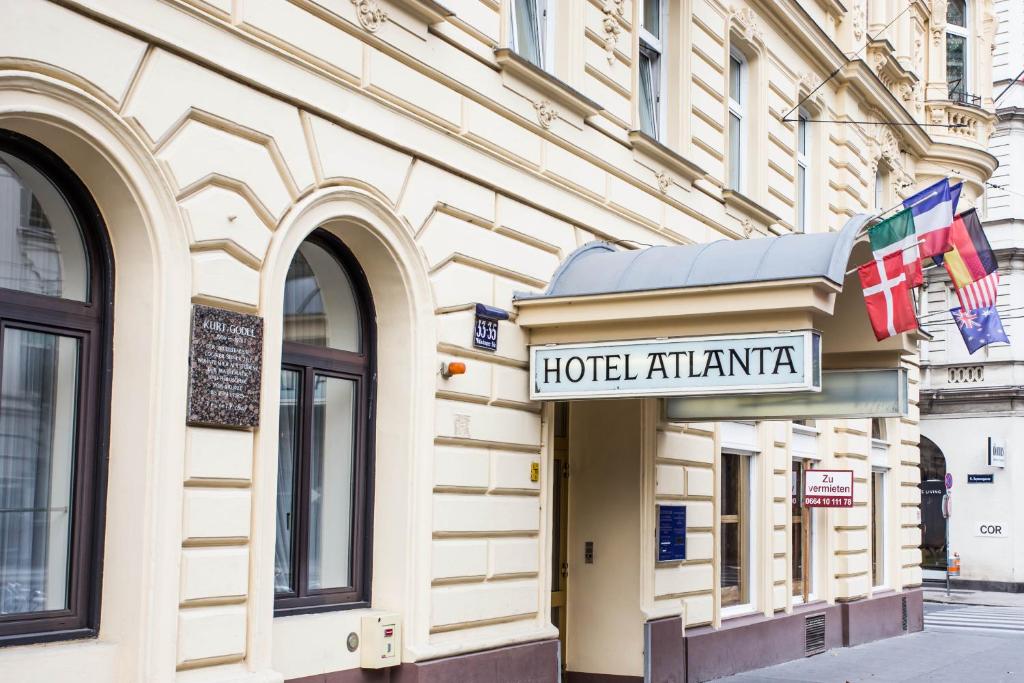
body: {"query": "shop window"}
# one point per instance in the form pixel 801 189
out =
pixel 957 49
pixel 738 124
pixel 878 527
pixel 652 68
pixel 55 294
pixel 802 534
pixel 324 481
pixel 735 529
pixel 531 26
pixel 803 164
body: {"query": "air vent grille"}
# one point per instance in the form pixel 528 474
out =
pixel 904 613
pixel 814 634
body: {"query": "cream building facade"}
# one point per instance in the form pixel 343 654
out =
pixel 445 155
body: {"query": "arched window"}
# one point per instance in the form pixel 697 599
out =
pixel 55 294
pixel 957 50
pixel 324 482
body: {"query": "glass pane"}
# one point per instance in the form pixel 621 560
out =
pixel 735 164
pixel 320 306
pixel 801 197
pixel 956 13
pixel 287 471
pixel 736 79
pixel 652 17
pixel 801 135
pixel 648 120
pixel 527 31
pixel 730 484
pixel 879 189
pixel 332 463
pixel 955 56
pixel 878 527
pixel 41 247
pixel 877 428
pixel 731 570
pixel 37 453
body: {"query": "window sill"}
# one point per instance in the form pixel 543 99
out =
pixel 749 208
pixel 673 162
pixel 559 92
pixel 426 10
pixel 738 612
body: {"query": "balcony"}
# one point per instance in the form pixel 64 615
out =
pixel 967 123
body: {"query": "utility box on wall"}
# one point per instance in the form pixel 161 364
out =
pixel 381 641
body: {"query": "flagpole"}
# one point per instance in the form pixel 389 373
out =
pixel 891 208
pixel 912 246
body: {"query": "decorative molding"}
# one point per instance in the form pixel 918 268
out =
pixel 749 208
pixel 546 113
pixel 664 181
pixel 369 14
pixel 746 22
pixel 859 21
pixel 938 21
pixel 613 9
pixel 806 83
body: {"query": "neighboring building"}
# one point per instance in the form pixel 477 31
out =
pixel 361 174
pixel 966 400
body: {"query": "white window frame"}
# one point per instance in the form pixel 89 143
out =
pixel 803 161
pixel 962 32
pixel 881 178
pixel 812 524
pixel 736 168
pixel 655 45
pixel 545 31
pixel 884 584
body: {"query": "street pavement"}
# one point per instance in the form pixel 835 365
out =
pixel 960 642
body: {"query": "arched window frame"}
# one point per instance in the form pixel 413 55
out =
pixel 89 322
pixel 360 366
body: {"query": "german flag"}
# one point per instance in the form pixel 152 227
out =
pixel 971 258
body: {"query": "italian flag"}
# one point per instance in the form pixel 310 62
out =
pixel 897 235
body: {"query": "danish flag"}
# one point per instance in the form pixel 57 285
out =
pixel 887 296
pixel 979 294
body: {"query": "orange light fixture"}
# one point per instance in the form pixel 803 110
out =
pixel 452 368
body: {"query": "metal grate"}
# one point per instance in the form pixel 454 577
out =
pixel 904 613
pixel 814 634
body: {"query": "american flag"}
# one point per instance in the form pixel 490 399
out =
pixel 979 294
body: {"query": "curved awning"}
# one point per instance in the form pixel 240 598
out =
pixel 793 282
pixel 602 268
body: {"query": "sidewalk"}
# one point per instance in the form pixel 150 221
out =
pixel 961 596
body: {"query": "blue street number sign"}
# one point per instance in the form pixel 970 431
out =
pixel 671 533
pixel 980 478
pixel 485 327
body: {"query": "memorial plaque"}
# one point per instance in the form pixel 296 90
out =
pixel 225 364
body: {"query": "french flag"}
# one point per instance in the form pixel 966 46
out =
pixel 933 209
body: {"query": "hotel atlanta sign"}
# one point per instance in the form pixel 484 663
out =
pixel 682 366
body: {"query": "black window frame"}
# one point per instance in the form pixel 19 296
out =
pixel 91 322
pixel 361 367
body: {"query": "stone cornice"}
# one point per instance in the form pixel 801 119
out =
pixel 860 75
pixel 429 11
pixel 673 162
pixel 749 208
pixel 560 92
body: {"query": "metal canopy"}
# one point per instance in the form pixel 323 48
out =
pixel 600 268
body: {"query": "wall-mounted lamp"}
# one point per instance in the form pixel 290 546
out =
pixel 452 368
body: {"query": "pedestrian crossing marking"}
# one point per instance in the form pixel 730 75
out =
pixel 977 618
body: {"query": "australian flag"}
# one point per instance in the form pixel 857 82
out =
pixel 979 327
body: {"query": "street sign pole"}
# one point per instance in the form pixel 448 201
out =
pixel 947 509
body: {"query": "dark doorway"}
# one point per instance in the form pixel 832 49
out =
pixel 933 524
